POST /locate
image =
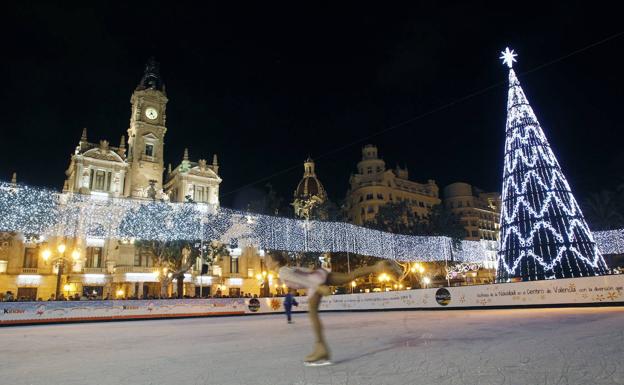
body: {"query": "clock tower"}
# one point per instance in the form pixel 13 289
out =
pixel 146 134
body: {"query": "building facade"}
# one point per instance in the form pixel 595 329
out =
pixel 374 185
pixel 476 210
pixel 115 268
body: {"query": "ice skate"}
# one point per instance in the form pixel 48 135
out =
pixel 317 363
pixel 319 357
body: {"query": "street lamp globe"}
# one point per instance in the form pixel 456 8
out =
pixel 61 248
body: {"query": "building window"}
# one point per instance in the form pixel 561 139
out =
pixel 380 196
pixel 28 293
pixel 99 181
pixel 378 169
pixel 31 257
pixel 460 204
pixel 369 170
pixel 362 211
pixel 94 257
pixel 198 194
pixel 149 149
pixel 371 209
pixel 137 258
pixel 390 196
pixel 421 204
pixel 233 265
pixel 369 197
pixel 141 259
pixel 475 234
pixel 361 198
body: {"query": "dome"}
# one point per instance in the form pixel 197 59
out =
pixel 309 185
pixel 457 189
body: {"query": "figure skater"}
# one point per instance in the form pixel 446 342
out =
pixel 317 282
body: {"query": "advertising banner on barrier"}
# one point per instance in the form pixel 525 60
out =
pixel 591 290
pixel 60 311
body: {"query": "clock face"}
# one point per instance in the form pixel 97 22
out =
pixel 151 113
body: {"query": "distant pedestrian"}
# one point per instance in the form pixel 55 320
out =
pixel 289 302
pixel 8 296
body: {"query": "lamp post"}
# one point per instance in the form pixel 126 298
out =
pixel 383 278
pixel 59 260
pixel 264 280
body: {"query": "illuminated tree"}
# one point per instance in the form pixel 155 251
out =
pixel 543 232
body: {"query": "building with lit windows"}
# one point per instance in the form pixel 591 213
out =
pixel 133 169
pixel 476 210
pixel 375 185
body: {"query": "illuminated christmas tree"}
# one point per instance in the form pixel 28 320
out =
pixel 543 232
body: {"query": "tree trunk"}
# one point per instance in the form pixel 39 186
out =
pixel 164 285
pixel 180 285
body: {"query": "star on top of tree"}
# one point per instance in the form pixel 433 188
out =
pixel 508 57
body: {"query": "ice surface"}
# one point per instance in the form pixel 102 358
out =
pixel 537 346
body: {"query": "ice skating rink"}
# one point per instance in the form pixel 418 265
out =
pixel 536 346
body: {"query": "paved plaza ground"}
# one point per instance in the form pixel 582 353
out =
pixel 536 346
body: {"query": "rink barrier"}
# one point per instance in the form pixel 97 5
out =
pixel 591 291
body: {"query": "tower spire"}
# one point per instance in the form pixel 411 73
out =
pixel 83 137
pixel 151 77
pixel 543 232
pixel 122 146
pixel 215 164
pixel 186 156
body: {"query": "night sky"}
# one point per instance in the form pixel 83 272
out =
pixel 266 87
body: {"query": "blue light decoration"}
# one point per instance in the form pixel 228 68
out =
pixel 543 232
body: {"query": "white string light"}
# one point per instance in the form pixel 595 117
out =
pixel 31 210
pixel 543 232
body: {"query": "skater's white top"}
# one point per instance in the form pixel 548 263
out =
pixel 302 278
